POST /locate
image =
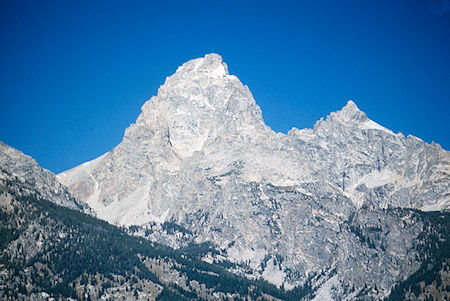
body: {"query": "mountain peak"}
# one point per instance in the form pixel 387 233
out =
pixel 202 72
pixel 351 105
pixel 211 65
pixel 350 112
pixel 200 101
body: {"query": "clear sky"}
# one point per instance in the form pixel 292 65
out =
pixel 74 74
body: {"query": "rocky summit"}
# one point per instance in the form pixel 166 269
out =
pixel 340 210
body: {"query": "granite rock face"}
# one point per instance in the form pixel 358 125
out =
pixel 317 207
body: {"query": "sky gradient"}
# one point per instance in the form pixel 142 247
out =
pixel 74 74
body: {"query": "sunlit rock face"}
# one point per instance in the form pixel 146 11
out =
pixel 286 206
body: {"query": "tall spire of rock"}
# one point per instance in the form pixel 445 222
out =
pixel 199 102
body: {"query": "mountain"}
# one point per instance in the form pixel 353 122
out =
pixel 23 175
pixel 49 251
pixel 204 123
pixel 339 207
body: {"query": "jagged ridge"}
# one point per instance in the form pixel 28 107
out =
pixel 200 155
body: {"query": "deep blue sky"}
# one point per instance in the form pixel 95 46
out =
pixel 74 74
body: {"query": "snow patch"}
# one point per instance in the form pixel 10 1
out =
pixel 219 71
pixel 372 125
